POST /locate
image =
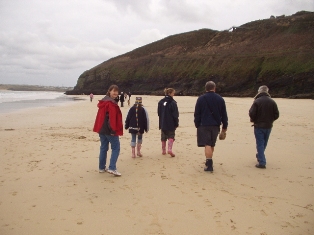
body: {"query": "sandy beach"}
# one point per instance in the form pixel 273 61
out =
pixel 50 184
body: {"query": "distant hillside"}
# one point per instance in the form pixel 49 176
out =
pixel 13 87
pixel 278 52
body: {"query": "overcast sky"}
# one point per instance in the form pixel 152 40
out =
pixel 52 42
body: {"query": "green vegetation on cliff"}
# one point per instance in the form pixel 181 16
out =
pixel 278 52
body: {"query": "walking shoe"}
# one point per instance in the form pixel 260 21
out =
pixel 114 172
pixel 209 168
pixel 209 165
pixel 260 166
pixel 103 170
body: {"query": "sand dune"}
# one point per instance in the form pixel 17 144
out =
pixel 49 180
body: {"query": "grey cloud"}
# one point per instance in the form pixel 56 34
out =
pixel 186 11
pixel 148 36
pixel 139 6
pixel 163 10
pixel 32 46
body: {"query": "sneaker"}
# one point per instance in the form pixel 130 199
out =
pixel 103 170
pixel 114 172
pixel 209 168
pixel 260 166
pixel 209 165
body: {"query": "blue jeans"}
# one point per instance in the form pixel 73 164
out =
pixel 261 136
pixel 115 151
pixel 139 139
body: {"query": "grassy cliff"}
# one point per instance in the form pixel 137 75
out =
pixel 278 52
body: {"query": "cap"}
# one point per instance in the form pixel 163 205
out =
pixel 138 100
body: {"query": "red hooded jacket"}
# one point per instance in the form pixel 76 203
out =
pixel 114 118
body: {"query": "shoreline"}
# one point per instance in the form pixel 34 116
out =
pixel 24 105
pixel 23 87
pixel 49 178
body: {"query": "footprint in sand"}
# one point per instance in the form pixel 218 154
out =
pixel 208 202
pixel 263 213
pixel 287 224
pixel 218 215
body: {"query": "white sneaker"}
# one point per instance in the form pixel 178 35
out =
pixel 103 170
pixel 114 172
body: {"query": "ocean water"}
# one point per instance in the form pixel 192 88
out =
pixel 11 101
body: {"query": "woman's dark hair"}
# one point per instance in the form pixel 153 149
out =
pixel 112 87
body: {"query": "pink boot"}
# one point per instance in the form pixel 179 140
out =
pixel 139 150
pixel 163 146
pixel 133 152
pixel 170 144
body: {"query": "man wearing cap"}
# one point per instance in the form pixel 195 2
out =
pixel 263 113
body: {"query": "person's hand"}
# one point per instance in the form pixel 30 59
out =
pixel 223 134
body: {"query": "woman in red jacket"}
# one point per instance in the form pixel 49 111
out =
pixel 108 125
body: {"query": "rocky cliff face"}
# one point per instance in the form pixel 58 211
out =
pixel 278 52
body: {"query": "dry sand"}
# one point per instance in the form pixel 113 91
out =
pixel 49 180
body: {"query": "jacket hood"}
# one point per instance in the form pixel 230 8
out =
pixel 104 101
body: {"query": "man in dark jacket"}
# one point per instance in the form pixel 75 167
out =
pixel 263 113
pixel 210 112
pixel 122 99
